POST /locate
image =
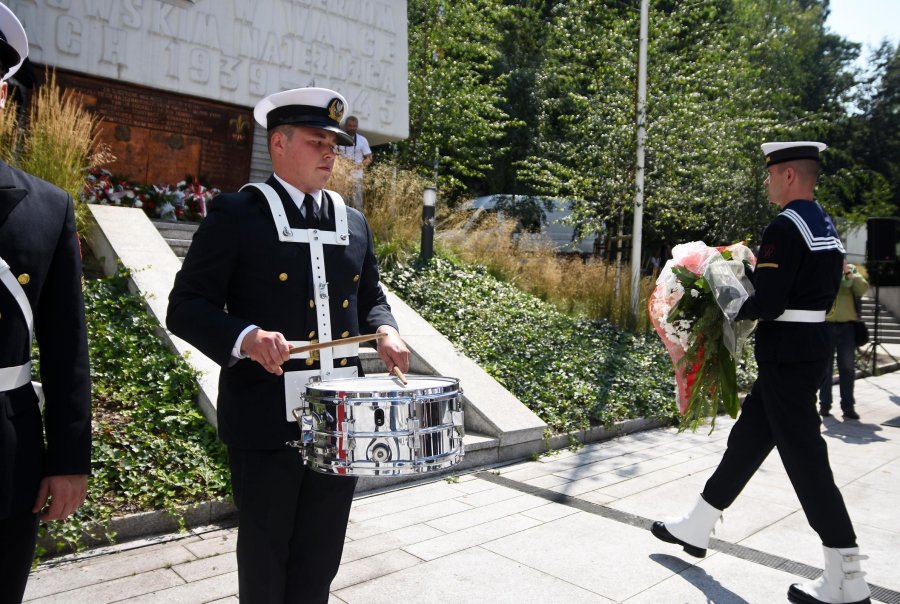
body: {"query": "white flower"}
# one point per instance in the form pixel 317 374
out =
pixel 695 293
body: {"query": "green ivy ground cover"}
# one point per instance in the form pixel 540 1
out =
pixel 572 372
pixel 152 448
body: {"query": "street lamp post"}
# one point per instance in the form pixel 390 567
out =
pixel 429 200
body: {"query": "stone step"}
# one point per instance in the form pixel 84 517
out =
pixel 177 234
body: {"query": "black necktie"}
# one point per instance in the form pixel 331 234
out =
pixel 309 208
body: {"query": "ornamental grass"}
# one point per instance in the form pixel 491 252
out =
pixel 61 143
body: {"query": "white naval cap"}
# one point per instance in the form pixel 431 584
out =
pixel 13 43
pixel 780 152
pixel 311 107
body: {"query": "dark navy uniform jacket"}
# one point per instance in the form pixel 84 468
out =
pixel 38 241
pixel 236 261
pixel 796 268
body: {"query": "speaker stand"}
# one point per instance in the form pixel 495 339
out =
pixel 873 346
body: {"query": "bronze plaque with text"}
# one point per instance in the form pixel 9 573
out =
pixel 160 137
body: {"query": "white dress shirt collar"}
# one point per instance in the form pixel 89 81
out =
pixel 297 195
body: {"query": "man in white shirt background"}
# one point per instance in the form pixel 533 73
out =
pixel 361 155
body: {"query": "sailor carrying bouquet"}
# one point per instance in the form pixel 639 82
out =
pixel 796 278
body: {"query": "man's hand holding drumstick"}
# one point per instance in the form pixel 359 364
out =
pixel 392 350
pixel 271 350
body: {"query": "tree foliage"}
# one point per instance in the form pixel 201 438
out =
pixel 539 97
pixel 455 94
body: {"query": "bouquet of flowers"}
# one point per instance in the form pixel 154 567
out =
pixel 693 309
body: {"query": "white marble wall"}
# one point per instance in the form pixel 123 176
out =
pixel 236 51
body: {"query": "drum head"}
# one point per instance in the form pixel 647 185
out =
pixel 382 387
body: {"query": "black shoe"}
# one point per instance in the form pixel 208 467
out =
pixel 660 531
pixel 850 414
pixel 798 596
pixel 824 412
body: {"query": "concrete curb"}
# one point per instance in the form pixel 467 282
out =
pixel 145 524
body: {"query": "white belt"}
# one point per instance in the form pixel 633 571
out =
pixel 15 377
pixel 343 350
pixel 802 316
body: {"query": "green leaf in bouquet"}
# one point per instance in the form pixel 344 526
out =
pixel 728 381
pixel 684 276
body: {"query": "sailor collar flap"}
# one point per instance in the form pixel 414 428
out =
pixel 814 225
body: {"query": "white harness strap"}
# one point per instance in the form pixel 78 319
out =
pixel 317 240
pixel 15 377
pixel 340 236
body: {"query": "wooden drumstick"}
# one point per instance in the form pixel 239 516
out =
pixel 341 342
pixel 399 374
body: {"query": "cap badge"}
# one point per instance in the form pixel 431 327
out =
pixel 336 109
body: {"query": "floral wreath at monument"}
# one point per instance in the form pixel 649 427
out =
pixel 187 200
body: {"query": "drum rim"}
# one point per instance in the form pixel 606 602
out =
pixel 315 390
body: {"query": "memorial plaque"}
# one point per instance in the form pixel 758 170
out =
pixel 159 137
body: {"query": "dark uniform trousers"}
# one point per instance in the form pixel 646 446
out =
pixel 780 411
pixel 21 438
pixel 293 522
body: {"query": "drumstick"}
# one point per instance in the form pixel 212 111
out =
pixel 341 342
pixel 396 371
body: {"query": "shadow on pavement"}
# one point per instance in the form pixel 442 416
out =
pixel 852 432
pixel 715 592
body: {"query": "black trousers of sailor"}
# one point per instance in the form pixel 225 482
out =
pixel 780 411
pixel 291 528
pixel 22 453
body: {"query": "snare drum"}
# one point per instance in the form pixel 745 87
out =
pixel 375 426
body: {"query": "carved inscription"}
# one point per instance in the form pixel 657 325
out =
pixel 235 51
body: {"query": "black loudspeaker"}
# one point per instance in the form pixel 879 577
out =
pixel 881 239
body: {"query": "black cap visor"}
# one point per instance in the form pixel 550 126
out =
pixel 791 154
pixel 308 116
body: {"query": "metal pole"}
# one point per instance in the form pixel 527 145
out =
pixel 639 171
pixel 429 200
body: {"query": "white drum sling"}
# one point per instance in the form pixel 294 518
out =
pixel 295 381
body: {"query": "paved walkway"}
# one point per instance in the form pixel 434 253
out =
pixel 569 528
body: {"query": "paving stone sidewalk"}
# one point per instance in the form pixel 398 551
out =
pixel 569 528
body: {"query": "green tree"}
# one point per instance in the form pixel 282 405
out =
pixel 864 161
pixel 524 27
pixel 583 145
pixel 455 93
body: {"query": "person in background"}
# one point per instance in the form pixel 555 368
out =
pixel 840 328
pixel 279 265
pixel 797 275
pixel 361 155
pixel 44 460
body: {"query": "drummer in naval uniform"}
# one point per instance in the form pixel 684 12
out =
pixel 797 275
pixel 293 265
pixel 40 294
